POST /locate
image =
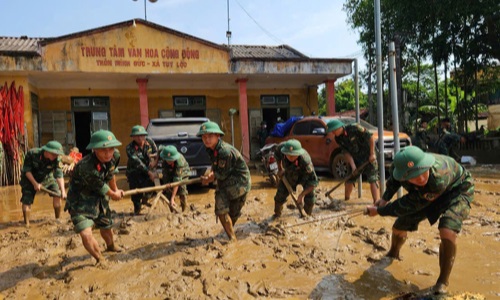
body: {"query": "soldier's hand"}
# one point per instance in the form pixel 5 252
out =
pixel 63 195
pixel 37 187
pixel 151 175
pixel 116 195
pixel 172 203
pixel 372 157
pixel 205 180
pixel 380 203
pixel 372 211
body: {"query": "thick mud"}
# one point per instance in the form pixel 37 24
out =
pixel 188 256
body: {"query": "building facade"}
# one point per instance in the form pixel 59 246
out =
pixel 117 76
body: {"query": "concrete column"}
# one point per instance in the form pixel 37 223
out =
pixel 143 100
pixel 330 96
pixel 243 101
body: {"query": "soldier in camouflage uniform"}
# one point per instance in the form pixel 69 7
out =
pixel 447 144
pixel 175 168
pixel 295 165
pixel 93 181
pixel 142 159
pixel 421 138
pixel 232 175
pixel 358 145
pixel 438 189
pixel 41 166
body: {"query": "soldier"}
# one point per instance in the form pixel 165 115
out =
pixel 175 168
pixel 448 142
pixel 262 134
pixel 92 181
pixel 358 145
pixel 41 166
pixel 421 138
pixel 232 175
pixel 295 165
pixel 142 159
pixel 438 188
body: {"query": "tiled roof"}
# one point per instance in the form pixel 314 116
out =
pixel 265 52
pixel 20 45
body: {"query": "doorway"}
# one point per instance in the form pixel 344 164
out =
pixel 83 121
pixel 273 115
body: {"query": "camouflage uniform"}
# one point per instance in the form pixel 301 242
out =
pixel 356 141
pixel 447 143
pixel 44 171
pixel 421 139
pixel 178 172
pixel 233 179
pixel 137 169
pixel 87 202
pixel 298 172
pixel 448 180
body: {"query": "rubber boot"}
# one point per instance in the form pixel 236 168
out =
pixel 26 215
pixel 183 202
pixel 228 226
pixel 278 209
pixel 396 243
pixel 447 252
pixel 57 212
pixel 137 208
pixel 308 208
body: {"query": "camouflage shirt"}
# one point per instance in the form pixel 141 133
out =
pixel 89 184
pixel 421 139
pixel 177 172
pixel 139 158
pixel 40 166
pixel 445 175
pixel 230 170
pixel 301 171
pixel 356 141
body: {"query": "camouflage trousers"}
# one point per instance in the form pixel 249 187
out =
pixel 282 195
pixel 101 220
pixel 138 182
pixel 451 209
pixel 224 205
pixel 370 172
pixel 28 191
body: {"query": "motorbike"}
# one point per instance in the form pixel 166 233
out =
pixel 268 166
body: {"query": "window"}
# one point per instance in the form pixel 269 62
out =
pixel 301 128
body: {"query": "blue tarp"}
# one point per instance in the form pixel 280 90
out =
pixel 280 129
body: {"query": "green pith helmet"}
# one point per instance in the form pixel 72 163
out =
pixel 169 153
pixel 410 162
pixel 292 147
pixel 54 147
pixel 103 139
pixel 138 130
pixel 209 127
pixel 333 125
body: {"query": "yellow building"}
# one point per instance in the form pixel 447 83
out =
pixel 117 76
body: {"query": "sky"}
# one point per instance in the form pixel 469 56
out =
pixel 316 28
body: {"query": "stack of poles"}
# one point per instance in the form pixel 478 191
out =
pixel 13 140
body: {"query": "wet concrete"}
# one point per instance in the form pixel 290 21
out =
pixel 172 256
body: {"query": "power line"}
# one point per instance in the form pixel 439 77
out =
pixel 272 36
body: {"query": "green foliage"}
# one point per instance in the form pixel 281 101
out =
pixel 344 97
pixel 461 34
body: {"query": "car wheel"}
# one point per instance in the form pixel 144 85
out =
pixel 340 168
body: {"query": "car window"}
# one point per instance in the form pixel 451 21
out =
pixel 317 128
pixel 301 128
pixel 174 129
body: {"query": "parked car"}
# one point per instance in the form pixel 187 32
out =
pixel 324 151
pixel 181 133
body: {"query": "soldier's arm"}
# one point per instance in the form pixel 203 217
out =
pixel 33 181
pixel 136 161
pixel 408 204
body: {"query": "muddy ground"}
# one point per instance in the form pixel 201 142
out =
pixel 187 255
